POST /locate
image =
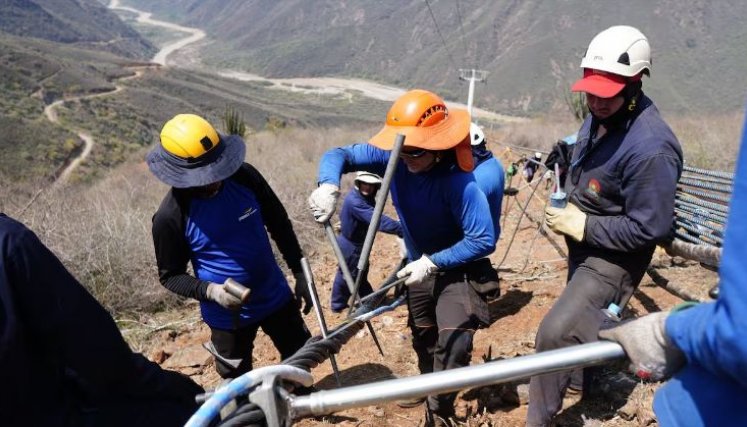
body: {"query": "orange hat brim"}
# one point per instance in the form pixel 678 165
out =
pixel 442 136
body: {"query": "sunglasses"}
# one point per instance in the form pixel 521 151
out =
pixel 413 154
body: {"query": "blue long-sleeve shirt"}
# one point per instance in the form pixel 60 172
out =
pixel 355 216
pixel 491 180
pixel 443 212
pixel 625 181
pixel 712 388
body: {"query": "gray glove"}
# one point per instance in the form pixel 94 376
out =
pixel 217 293
pixel 322 202
pixel 653 356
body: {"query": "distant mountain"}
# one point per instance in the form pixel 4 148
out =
pixel 85 23
pixel 532 48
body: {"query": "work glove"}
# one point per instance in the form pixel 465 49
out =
pixel 653 356
pixel 322 201
pixel 568 220
pixel 402 248
pixel 303 297
pixel 419 271
pixel 217 293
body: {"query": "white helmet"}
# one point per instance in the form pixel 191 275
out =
pixel 477 136
pixel 621 50
pixel 367 177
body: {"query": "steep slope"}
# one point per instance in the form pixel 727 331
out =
pixel 86 23
pixel 531 48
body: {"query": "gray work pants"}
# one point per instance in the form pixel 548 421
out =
pixel 443 315
pixel 594 283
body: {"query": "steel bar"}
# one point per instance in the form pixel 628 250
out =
pixel 700 213
pixel 319 314
pixel 348 278
pixel 382 290
pixel 531 150
pixel 699 234
pixel 713 179
pixel 692 239
pixel 373 226
pixel 707 172
pixel 706 185
pixel 686 200
pixel 702 194
pixel 580 356
pixel 518 222
pixel 701 223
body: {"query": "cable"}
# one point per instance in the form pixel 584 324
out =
pixel 443 40
pixel 464 38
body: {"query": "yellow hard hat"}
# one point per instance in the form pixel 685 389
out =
pixel 192 154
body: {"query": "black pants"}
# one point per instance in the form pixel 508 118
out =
pixel 443 316
pixel 594 283
pixel 285 327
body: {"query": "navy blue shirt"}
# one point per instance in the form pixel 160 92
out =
pixel 355 216
pixel 625 181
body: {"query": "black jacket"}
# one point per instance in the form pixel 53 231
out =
pixel 59 348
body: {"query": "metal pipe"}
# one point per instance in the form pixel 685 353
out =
pixel 349 279
pixel 373 226
pixel 340 257
pixel 319 314
pixel 580 356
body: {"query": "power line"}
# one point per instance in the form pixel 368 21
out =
pixel 438 30
pixel 461 29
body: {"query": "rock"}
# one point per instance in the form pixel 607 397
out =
pixel 377 411
pixel 190 356
pixel 522 391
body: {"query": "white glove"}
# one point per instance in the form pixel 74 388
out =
pixel 322 201
pixel 652 354
pixel 419 271
pixel 217 293
pixel 402 247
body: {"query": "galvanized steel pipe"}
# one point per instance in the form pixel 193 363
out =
pixel 580 356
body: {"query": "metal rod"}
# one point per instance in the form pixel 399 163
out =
pixel 719 174
pixel 349 279
pixel 702 194
pixel 340 257
pixel 319 314
pixel 721 188
pixel 580 356
pixel 373 226
pixel 383 289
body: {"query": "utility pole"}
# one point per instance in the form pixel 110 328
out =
pixel 472 76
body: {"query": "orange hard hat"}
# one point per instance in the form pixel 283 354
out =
pixel 425 121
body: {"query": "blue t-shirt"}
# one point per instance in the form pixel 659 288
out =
pixel 228 240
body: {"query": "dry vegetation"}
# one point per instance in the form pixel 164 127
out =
pixel 101 231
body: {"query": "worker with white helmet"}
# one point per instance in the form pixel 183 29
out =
pixel 621 185
pixel 489 176
pixel 355 217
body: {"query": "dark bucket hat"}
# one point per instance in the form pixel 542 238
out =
pixel 216 165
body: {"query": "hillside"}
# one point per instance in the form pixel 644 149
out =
pixel 84 23
pixel 531 48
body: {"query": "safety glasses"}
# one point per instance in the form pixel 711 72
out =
pixel 413 154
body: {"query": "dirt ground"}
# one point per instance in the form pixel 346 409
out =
pixel 532 276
